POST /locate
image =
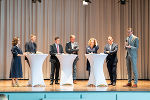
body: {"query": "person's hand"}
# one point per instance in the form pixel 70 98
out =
pixel 96 43
pixel 38 52
pixel 19 55
pixel 128 46
pixel 74 52
pixel 107 52
pixel 25 53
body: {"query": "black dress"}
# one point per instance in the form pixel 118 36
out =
pixel 16 66
pixel 91 50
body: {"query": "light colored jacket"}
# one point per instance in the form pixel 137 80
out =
pixel 134 43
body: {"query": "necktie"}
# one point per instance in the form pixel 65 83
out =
pixel 57 49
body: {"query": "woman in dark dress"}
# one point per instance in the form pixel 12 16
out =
pixel 92 48
pixel 16 66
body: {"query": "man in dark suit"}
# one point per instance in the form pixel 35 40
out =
pixel 31 46
pixel 111 49
pixel 73 48
pixel 55 48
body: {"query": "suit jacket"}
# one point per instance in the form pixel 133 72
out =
pixel 70 50
pixel 134 43
pixel 53 52
pixel 112 56
pixel 30 47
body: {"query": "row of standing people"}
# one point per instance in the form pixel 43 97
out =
pixel 111 48
pixel 31 47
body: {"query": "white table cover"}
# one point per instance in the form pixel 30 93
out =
pixel 66 63
pixel 96 73
pixel 36 73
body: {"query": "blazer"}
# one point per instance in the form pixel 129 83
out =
pixel 112 56
pixel 30 47
pixel 53 52
pixel 134 43
pixel 71 50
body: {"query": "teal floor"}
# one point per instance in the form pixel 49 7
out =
pixel 107 95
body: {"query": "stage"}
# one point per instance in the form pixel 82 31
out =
pixel 5 86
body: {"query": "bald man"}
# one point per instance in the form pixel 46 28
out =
pixel 111 49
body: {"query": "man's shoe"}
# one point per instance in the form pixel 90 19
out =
pixel 114 84
pixel 51 83
pixel 110 83
pixel 56 82
pixel 127 85
pixel 75 82
pixel 134 86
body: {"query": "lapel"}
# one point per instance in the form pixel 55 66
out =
pixel 70 45
pixel 112 46
pixel 31 45
pixel 55 48
pixel 129 41
pixel 59 48
pixel 133 38
pixel 108 47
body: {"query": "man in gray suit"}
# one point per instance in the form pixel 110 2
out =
pixel 131 45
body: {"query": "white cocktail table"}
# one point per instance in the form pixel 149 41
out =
pixel 97 77
pixel 36 73
pixel 66 63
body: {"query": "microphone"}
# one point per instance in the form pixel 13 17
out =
pixel 127 43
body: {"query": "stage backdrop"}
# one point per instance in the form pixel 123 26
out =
pixel 64 17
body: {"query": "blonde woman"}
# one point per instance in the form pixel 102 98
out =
pixel 92 48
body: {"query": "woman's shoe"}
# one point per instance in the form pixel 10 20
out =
pixel 14 85
pixel 17 84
